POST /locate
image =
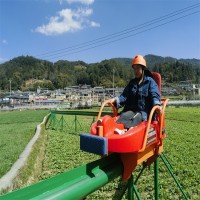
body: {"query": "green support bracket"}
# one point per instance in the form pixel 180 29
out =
pixel 136 192
pixel 130 188
pixel 165 157
pixel 62 123
pixel 173 176
pixel 93 120
pixel 133 185
pixel 140 173
pixel 156 185
pixel 53 121
pixel 76 123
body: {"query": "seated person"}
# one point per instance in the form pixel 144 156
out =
pixel 139 96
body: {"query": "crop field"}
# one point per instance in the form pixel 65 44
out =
pixel 16 130
pixel 62 153
pixel 181 148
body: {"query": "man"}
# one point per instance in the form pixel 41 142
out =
pixel 139 96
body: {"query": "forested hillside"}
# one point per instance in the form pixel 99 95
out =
pixel 27 73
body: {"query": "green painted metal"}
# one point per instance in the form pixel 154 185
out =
pixel 52 121
pixel 62 123
pixel 134 187
pixel 77 112
pixel 165 157
pixel 156 186
pixel 76 123
pixel 140 173
pixel 55 123
pixel 136 192
pixel 74 184
pixel 93 120
pixel 173 176
pixel 130 188
pixel 123 192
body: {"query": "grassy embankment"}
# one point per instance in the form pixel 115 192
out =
pixel 16 130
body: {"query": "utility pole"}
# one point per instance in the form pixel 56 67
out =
pixel 10 86
pixel 113 81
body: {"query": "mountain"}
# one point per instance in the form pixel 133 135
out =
pixel 28 73
pixel 153 60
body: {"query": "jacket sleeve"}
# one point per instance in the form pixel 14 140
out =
pixel 154 93
pixel 120 100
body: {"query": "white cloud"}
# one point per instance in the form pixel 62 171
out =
pixel 67 20
pixel 85 2
pixel 4 41
pixel 94 24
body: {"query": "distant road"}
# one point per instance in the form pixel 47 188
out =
pixel 184 102
pixel 42 106
pixel 28 106
pixel 56 106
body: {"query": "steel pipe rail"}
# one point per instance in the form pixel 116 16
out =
pixel 74 184
pixel 77 112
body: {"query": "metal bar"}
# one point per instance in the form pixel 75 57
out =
pixel 136 192
pixel 156 186
pixel 79 123
pixel 173 176
pixel 65 123
pixel 62 123
pixel 123 191
pixel 138 176
pixel 76 112
pixel 54 122
pixel 93 120
pixel 130 188
pixel 75 123
pixel 167 160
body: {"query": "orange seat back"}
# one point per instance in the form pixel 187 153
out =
pixel 157 79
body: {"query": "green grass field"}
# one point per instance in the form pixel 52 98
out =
pixel 181 147
pixel 16 130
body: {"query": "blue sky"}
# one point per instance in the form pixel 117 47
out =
pixel 94 30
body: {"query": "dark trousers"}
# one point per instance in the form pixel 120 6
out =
pixel 130 119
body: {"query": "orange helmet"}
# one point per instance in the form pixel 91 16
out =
pixel 139 60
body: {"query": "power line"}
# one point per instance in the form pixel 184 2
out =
pixel 91 42
pixel 83 46
pixel 116 40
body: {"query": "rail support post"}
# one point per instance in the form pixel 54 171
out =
pixel 52 120
pixel 130 188
pixel 173 176
pixel 62 124
pixel 76 123
pixel 156 185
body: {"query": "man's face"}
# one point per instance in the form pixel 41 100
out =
pixel 137 70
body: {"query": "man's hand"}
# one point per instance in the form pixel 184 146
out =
pixel 160 109
pixel 113 100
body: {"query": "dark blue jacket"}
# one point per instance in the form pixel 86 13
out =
pixel 140 98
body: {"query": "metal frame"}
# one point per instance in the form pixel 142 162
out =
pixel 131 185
